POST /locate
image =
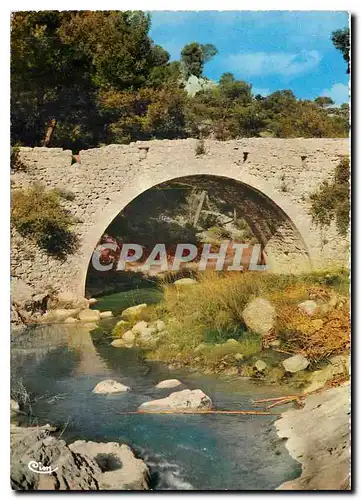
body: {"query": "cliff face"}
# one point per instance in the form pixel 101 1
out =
pixel 319 438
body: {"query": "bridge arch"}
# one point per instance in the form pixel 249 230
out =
pixel 281 227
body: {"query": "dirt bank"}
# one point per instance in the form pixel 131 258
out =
pixel 318 436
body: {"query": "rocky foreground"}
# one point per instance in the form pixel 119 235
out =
pixel 318 436
pixel 82 465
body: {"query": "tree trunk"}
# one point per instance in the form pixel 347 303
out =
pixel 49 133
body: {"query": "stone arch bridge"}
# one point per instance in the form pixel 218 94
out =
pixel 268 180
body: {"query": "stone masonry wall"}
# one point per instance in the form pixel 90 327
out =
pixel 286 171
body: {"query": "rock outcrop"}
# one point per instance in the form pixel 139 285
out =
pixel 318 436
pixel 78 466
pixel 121 470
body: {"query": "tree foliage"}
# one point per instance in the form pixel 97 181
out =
pixel 332 200
pixel 341 40
pixel 102 79
pixel 194 56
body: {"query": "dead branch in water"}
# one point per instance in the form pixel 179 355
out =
pixel 197 412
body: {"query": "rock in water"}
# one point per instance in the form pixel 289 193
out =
pixel 106 314
pixel 308 306
pixel 295 363
pixel 120 469
pixel 89 315
pixel 260 316
pixel 118 343
pixel 110 387
pixel 134 311
pixel 168 384
pixel 178 401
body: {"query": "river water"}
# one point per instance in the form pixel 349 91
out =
pixel 60 365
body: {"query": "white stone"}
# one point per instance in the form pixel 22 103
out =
pixel 140 326
pixel 179 401
pixel 168 384
pixel 128 337
pixel 106 314
pixel 134 311
pixel 118 343
pixel 259 316
pixel 109 387
pixel 260 365
pixel 308 306
pixel 295 363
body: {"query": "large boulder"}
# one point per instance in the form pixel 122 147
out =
pixel 121 470
pixel 110 387
pixel 134 311
pixel 179 401
pixel 295 363
pixel 89 315
pixel 168 384
pixel 260 316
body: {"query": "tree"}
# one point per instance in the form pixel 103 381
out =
pixel 324 101
pixel 194 56
pixel 341 40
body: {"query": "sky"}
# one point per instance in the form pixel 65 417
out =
pixel 272 50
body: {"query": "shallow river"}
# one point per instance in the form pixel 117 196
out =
pixel 60 365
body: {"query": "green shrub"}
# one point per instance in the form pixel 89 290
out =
pixel 16 165
pixel 332 200
pixel 38 214
pixel 200 147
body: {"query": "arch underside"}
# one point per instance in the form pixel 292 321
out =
pixel 283 244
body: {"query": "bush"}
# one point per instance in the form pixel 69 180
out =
pixel 39 215
pixel 332 200
pixel 200 148
pixel 16 165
